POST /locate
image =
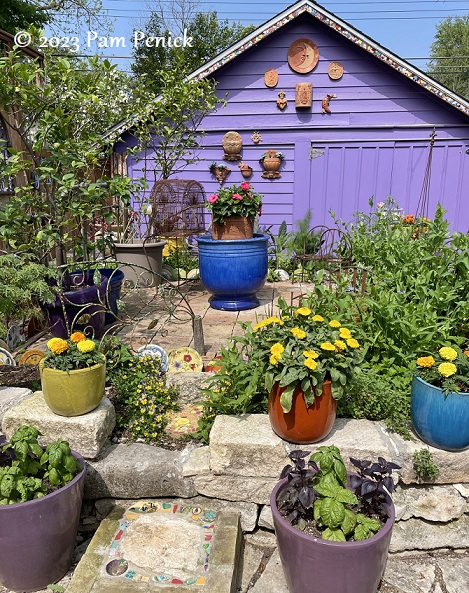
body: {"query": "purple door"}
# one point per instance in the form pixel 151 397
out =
pixel 344 175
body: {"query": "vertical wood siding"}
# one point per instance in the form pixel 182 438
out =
pixel 376 140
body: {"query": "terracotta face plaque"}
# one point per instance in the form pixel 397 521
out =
pixel 304 94
pixel 303 55
pixel 271 78
pixel 335 70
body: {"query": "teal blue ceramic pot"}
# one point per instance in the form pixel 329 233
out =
pixel 439 420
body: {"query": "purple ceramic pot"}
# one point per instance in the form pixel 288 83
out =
pixel 313 565
pixel 37 537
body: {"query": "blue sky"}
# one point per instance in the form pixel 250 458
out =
pixel 405 28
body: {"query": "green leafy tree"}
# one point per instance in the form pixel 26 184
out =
pixel 452 41
pixel 20 14
pixel 209 36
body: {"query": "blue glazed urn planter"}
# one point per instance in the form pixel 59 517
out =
pixel 439 420
pixel 233 270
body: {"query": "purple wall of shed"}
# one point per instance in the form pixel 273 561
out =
pixel 375 141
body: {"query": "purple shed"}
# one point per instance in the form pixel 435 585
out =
pixel 373 139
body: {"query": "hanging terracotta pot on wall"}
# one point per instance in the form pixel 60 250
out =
pixel 271 162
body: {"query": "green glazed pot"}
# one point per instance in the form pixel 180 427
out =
pixel 75 392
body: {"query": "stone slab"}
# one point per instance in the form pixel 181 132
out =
pixel 433 503
pixel 246 446
pixel 272 580
pixel 265 518
pixel 455 573
pixel 235 488
pixel 189 385
pixel 409 575
pixel 86 434
pixel 417 534
pixel 12 396
pixel 197 461
pixel 136 548
pixel 137 471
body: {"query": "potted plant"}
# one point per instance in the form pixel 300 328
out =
pixel 41 491
pixel 440 399
pixel 73 374
pixel 271 161
pixel 233 260
pixel 233 211
pixel 333 528
pixel 307 362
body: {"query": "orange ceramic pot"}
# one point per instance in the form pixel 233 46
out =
pixel 302 424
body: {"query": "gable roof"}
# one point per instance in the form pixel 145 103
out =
pixel 333 22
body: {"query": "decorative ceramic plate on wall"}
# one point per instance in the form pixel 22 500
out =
pixel 155 350
pixel 6 358
pixel 303 55
pixel 184 360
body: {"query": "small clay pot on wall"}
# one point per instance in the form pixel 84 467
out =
pixel 271 164
pixel 246 170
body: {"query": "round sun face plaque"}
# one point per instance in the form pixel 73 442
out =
pixel 303 55
pixel 335 70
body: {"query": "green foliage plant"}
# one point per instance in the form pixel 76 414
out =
pixel 144 400
pixel 317 493
pixel 236 389
pixel 27 471
pixel 303 348
pixel 424 465
pixel 447 369
pixel 78 352
pixel 236 200
pixel 23 283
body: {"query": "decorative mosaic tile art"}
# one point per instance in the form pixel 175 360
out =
pixel 185 421
pixel 137 519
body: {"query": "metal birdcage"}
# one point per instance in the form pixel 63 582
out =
pixel 177 208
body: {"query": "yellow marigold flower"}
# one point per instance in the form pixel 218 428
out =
pixel 77 337
pixel 344 333
pixel 57 345
pixel 426 362
pixel 352 343
pixel 277 349
pixel 310 354
pixel 340 345
pixel 86 346
pixel 318 318
pixel 447 369
pixel 466 353
pixel 274 359
pixel 303 311
pixel 334 323
pixel 298 333
pixel 327 346
pixel 448 353
pixel 310 363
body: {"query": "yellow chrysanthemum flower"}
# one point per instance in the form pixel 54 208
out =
pixel 57 345
pixel 340 345
pixel 344 333
pixel 311 364
pixel 327 346
pixel 310 354
pixel 277 349
pixel 303 311
pixel 425 362
pixel 334 323
pixel 298 333
pixel 447 369
pixel 274 359
pixel 318 318
pixel 86 346
pixel 352 343
pixel 77 337
pixel 448 353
